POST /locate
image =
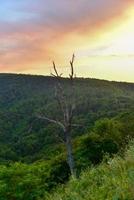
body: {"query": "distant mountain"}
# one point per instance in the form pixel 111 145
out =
pixel 24 137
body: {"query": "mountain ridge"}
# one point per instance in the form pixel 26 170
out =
pixel 49 76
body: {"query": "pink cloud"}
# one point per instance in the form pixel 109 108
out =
pixel 30 41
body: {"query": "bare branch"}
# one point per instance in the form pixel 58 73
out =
pixel 77 125
pixel 66 106
pixel 60 95
pixel 52 121
pixel 56 72
pixel 72 105
pixel 53 75
pixel 72 67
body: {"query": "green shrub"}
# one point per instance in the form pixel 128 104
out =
pixel 20 181
pixel 109 129
pixel 91 148
pixel 113 180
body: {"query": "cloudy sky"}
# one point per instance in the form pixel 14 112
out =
pixel 99 32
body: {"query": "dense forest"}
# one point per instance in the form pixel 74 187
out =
pixel 32 156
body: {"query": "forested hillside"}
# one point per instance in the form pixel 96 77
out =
pixel 24 137
pixel 32 155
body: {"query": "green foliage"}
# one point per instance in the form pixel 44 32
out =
pixel 108 128
pixel 91 148
pixel 32 157
pixel 32 182
pixel 127 120
pixel 23 96
pixel 113 180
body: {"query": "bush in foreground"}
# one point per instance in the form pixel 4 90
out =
pixel 113 180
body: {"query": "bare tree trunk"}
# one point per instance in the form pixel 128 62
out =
pixel 70 157
pixel 67 108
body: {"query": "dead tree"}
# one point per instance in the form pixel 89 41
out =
pixel 66 106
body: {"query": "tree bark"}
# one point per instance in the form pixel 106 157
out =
pixel 70 157
pixel 66 106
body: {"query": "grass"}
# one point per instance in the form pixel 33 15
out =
pixel 111 180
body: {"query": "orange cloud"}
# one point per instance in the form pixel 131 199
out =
pixel 56 31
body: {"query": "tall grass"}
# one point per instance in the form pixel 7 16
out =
pixel 111 180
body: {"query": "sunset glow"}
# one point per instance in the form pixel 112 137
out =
pixel 100 33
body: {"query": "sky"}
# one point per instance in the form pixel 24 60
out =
pixel 100 33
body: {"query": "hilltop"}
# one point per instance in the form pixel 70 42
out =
pixel 23 96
